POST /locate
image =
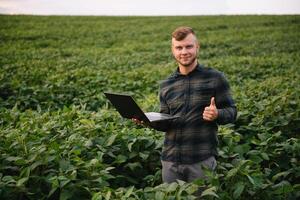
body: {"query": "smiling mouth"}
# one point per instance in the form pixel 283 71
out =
pixel 185 58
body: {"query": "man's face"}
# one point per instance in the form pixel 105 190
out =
pixel 185 51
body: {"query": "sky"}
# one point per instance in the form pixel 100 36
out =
pixel 149 7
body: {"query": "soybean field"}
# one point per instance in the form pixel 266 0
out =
pixel 60 138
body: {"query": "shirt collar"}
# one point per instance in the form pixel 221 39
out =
pixel 197 68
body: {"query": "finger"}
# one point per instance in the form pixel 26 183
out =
pixel 137 121
pixel 207 115
pixel 212 102
pixel 206 118
pixel 210 115
pixel 209 112
pixel 207 109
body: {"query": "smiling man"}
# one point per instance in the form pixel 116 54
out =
pixel 185 49
pixel 201 97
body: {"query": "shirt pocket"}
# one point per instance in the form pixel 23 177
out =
pixel 175 103
pixel 203 93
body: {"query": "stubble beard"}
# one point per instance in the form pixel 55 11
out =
pixel 187 64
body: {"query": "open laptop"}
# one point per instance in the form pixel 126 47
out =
pixel 128 108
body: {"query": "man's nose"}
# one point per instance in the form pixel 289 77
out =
pixel 184 51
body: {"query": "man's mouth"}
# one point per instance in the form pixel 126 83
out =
pixel 185 58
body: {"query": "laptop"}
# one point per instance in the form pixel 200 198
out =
pixel 128 108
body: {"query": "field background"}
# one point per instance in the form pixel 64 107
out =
pixel 61 139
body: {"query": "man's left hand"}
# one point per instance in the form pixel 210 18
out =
pixel 211 112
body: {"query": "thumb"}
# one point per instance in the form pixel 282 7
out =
pixel 212 102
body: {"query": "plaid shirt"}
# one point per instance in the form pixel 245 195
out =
pixel 190 139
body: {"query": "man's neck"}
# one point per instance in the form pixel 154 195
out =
pixel 185 70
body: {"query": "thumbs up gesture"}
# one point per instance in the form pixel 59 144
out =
pixel 211 112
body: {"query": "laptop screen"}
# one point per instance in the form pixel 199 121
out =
pixel 126 106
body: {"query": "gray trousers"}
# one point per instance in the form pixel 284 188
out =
pixel 186 172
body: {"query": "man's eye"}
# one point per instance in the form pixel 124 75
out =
pixel 178 48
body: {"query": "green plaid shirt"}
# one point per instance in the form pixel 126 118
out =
pixel 190 139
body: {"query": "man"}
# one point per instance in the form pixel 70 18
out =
pixel 201 97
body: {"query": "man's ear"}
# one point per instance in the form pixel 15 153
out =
pixel 172 49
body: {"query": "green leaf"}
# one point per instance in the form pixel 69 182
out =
pixel 232 173
pixel 250 179
pixel 110 140
pixel 129 192
pixel 8 179
pixel 256 158
pixel 199 181
pixel 97 196
pixel 21 181
pixel 144 155
pixel 88 123
pixel 242 149
pixel 121 159
pixel 265 156
pixel 180 182
pixel 134 166
pixel 93 162
pixel 35 165
pixel 210 192
pixel 280 174
pixel 25 172
pixel 109 168
pixel 13 158
pixel 64 165
pixel 51 158
pixel 172 187
pixel 130 145
pixel 159 195
pixel 88 143
pixel 284 187
pixel 63 181
pixel 108 195
pixel 239 188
